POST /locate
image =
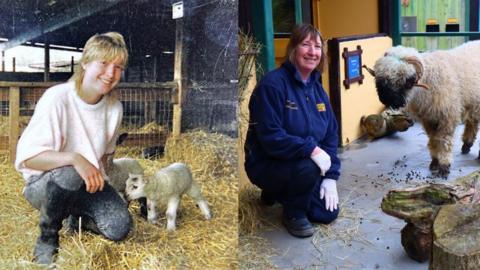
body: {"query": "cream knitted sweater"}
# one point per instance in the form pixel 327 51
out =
pixel 65 123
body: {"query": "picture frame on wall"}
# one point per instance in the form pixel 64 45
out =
pixel 353 66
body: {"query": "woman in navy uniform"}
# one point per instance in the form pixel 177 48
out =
pixel 291 145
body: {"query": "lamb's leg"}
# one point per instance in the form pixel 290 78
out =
pixel 152 213
pixel 143 207
pixel 440 145
pixel 195 192
pixel 172 212
pixel 469 134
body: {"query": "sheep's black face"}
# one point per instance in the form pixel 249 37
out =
pixel 389 96
pixel 393 95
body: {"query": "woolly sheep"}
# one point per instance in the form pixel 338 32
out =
pixel 440 89
pixel 385 123
pixel 166 187
pixel 118 171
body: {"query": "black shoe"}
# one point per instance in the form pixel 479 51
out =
pixel 298 227
pixel 267 198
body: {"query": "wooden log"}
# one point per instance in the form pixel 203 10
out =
pixel 417 242
pixel 418 207
pixel 456 238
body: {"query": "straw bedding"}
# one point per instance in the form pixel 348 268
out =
pixel 196 244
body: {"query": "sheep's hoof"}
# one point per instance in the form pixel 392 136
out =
pixel 434 165
pixel 443 170
pixel 466 148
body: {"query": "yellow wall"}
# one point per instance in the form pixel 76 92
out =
pixel 360 99
pixel 280 50
pixel 340 18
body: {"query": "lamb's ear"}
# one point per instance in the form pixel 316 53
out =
pixel 413 60
pixel 371 71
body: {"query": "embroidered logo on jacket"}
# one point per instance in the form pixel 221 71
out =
pixel 321 107
pixel 291 105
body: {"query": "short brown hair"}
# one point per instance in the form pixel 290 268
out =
pixel 108 47
pixel 299 33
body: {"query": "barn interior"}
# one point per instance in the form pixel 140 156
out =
pixel 185 65
pixel 147 26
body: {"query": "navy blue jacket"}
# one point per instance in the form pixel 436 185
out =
pixel 288 118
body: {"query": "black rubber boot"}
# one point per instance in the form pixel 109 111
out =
pixel 56 209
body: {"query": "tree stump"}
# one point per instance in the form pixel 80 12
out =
pixel 418 207
pixel 456 238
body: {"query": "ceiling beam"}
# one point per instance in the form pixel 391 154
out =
pixel 70 15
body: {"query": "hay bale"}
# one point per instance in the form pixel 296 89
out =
pixel 253 251
pixel 249 212
pixel 150 128
pixel 214 154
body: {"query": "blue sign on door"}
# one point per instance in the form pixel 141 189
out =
pixel 354 66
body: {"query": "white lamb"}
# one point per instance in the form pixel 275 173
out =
pixel 166 187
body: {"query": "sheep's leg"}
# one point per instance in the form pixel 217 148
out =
pixel 172 212
pixel 431 129
pixel 152 213
pixel 440 145
pixel 195 192
pixel 469 134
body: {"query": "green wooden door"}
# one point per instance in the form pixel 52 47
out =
pixel 441 11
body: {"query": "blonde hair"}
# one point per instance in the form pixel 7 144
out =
pixel 108 47
pixel 299 33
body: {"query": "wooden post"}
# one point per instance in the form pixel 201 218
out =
pixel 14 119
pixel 3 61
pixel 46 73
pixel 72 65
pixel 177 77
pixel 155 60
pixel 456 232
pixel 13 64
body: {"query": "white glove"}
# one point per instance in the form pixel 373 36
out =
pixel 328 188
pixel 322 159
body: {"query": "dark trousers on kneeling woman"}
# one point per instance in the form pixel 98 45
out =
pixel 296 185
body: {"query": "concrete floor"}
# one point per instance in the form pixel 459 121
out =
pixel 363 237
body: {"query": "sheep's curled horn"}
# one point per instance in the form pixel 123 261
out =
pixel 411 60
pixel 418 68
pixel 371 71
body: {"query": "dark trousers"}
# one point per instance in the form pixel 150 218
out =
pixel 296 185
pixel 61 192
